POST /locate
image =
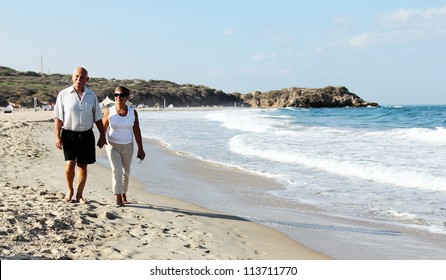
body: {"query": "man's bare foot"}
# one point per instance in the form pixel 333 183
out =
pixel 68 196
pixel 82 200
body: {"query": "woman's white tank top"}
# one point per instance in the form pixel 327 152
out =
pixel 120 128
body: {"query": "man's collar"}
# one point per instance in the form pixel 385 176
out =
pixel 86 90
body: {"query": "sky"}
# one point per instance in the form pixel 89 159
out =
pixel 389 52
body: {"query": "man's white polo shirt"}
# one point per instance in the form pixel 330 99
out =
pixel 77 115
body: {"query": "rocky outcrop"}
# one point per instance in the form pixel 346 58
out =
pixel 306 98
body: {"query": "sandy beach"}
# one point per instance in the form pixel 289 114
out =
pixel 36 224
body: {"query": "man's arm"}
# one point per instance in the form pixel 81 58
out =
pixel 100 126
pixel 57 129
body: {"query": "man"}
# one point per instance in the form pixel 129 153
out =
pixel 76 110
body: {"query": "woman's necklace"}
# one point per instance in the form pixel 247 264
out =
pixel 122 111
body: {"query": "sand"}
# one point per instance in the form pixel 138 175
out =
pixel 36 223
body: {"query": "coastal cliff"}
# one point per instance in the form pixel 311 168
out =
pixel 307 98
pixel 21 89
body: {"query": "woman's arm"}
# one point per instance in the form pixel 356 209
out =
pixel 137 132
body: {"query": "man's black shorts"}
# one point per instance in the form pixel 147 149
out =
pixel 79 146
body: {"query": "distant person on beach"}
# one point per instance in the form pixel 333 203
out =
pixel 76 110
pixel 121 125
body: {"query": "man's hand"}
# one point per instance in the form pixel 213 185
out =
pixel 59 143
pixel 102 142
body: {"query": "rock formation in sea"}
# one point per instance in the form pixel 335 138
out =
pixel 306 98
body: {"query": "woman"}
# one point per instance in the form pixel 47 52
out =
pixel 121 125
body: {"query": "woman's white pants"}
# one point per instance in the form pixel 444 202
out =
pixel 120 157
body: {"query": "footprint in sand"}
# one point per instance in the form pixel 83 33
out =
pixel 111 216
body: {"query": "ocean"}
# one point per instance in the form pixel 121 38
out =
pixel 366 177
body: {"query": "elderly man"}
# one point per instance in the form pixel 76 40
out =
pixel 76 110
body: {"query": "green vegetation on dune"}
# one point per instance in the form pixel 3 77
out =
pixel 21 88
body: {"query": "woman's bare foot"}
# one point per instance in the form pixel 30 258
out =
pixel 119 202
pixel 124 198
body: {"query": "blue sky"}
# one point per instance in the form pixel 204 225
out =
pixel 390 52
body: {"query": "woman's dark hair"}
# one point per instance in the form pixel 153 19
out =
pixel 122 89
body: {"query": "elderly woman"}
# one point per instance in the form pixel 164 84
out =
pixel 121 125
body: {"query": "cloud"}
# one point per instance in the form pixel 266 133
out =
pixel 228 32
pixel 342 20
pixel 403 26
pixel 368 39
pixel 361 40
pixel 264 56
pixel 259 56
pixel 429 14
pixel 284 71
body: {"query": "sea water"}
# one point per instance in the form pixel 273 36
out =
pixel 383 165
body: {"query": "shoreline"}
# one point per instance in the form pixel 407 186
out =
pixel 37 224
pixel 335 236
